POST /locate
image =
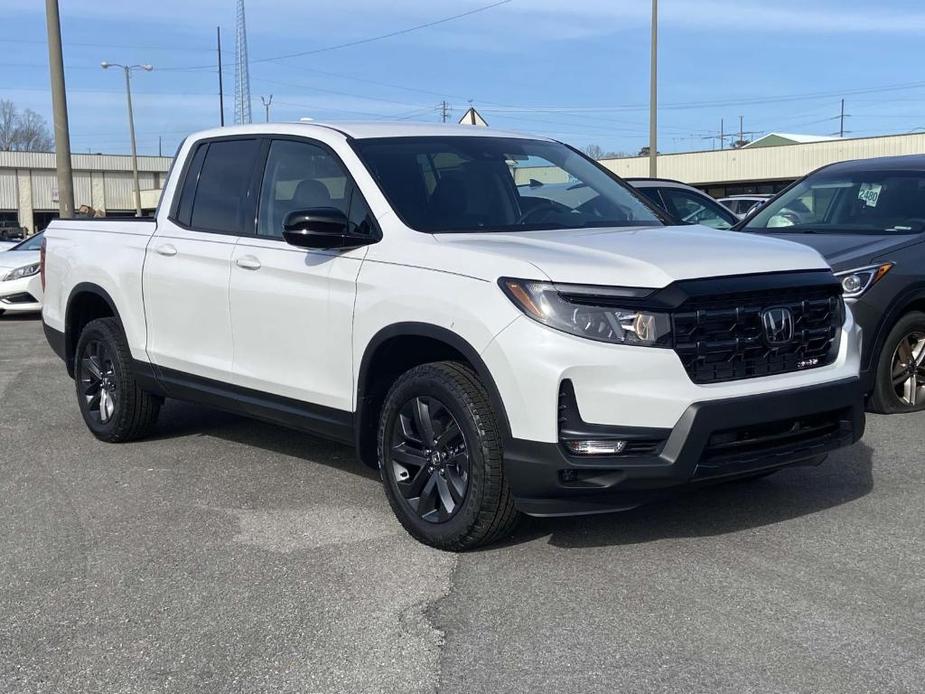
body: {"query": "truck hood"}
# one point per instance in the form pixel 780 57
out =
pixel 847 251
pixel 635 256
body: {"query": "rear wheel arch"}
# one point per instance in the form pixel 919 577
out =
pixel 86 302
pixel 394 350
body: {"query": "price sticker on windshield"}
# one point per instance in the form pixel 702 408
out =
pixel 869 193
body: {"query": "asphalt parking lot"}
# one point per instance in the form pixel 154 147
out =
pixel 229 555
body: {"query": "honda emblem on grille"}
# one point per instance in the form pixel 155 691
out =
pixel 778 325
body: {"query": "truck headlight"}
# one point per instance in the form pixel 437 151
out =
pixel 591 311
pixel 856 282
pixel 20 272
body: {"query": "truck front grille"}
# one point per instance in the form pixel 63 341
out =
pixel 723 338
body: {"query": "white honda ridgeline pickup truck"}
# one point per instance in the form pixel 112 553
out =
pixel 498 323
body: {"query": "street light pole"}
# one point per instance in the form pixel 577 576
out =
pixel 653 95
pixel 131 129
pixel 131 123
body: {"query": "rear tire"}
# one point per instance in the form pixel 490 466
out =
pixel 441 458
pixel 114 408
pixel 891 393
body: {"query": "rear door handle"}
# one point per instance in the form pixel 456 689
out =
pixel 248 262
pixel 166 249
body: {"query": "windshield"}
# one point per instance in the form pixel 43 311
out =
pixel 873 202
pixel 33 243
pixel 446 184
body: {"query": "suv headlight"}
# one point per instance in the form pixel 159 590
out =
pixel 24 271
pixel 856 282
pixel 598 313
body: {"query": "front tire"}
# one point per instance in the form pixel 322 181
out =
pixel 441 458
pixel 900 380
pixel 114 408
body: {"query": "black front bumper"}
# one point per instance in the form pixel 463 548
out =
pixel 713 440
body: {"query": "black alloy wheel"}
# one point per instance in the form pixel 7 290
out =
pixel 441 457
pixel 113 405
pixel 429 459
pixel 99 384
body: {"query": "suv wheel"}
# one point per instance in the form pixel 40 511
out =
pixel 440 456
pixel 114 408
pixel 900 385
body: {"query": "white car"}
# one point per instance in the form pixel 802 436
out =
pixel 491 353
pixel 20 283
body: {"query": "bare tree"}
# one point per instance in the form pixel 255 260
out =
pixel 598 152
pixel 594 151
pixel 23 132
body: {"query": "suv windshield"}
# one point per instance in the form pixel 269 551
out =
pixel 873 202
pixel 446 184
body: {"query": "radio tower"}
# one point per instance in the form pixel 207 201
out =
pixel 242 80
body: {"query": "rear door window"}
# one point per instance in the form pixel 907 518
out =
pixel 222 196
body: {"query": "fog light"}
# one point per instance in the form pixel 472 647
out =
pixel 592 447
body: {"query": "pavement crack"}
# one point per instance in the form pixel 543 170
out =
pixel 429 610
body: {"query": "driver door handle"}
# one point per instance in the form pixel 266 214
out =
pixel 166 249
pixel 248 262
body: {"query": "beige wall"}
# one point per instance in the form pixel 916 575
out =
pixel 766 163
pixel 28 182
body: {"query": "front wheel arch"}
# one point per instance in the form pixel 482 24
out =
pixel 375 377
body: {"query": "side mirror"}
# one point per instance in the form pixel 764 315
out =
pixel 320 227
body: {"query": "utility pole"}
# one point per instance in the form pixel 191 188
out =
pixel 722 133
pixel 841 120
pixel 221 90
pixel 59 110
pixel 444 111
pixel 131 123
pixel 741 133
pixel 653 96
pixel 266 106
pixel 160 152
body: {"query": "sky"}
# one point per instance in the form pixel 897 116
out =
pixel 575 70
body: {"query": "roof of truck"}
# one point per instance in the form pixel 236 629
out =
pixel 368 129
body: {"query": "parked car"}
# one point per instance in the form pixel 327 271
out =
pixel 868 219
pixel 684 203
pixel 10 230
pixel 20 284
pixel 742 205
pixel 491 353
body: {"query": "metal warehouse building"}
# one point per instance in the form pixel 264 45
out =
pixel 764 169
pixel 29 188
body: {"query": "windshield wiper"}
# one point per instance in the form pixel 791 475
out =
pixel 796 229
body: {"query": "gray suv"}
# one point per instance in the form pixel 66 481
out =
pixel 867 218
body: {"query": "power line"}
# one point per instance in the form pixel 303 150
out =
pixel 363 41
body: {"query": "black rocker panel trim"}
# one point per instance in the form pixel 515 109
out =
pixel 326 422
